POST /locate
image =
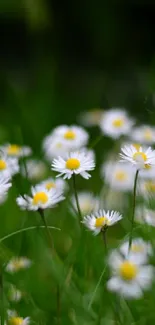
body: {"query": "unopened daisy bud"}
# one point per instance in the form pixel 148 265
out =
pixel 34 169
pixel 87 201
pixel 115 123
pixel 129 276
pixel 139 249
pixel 144 134
pixel 141 159
pixel 101 220
pixel 8 166
pixel 41 198
pixel 92 117
pixel 75 163
pixel 18 263
pixel 14 150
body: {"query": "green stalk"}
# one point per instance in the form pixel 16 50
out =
pixel 2 311
pixel 133 208
pixel 50 239
pixel 76 199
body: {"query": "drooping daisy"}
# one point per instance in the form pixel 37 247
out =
pixel 41 198
pixel 139 158
pixel 34 169
pixel 58 184
pixel 145 216
pixel 129 276
pixel 53 147
pixel 14 294
pixel 87 201
pixel 16 320
pixel 18 263
pixel 118 176
pixel 75 163
pixel 100 220
pixel 92 117
pixel 140 249
pixel 144 134
pixel 14 150
pixel 74 137
pixel 115 123
pixel 8 166
pixel 5 184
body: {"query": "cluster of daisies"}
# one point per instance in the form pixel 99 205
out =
pixel 66 149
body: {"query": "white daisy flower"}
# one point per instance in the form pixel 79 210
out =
pixel 115 123
pixel 34 169
pixel 42 198
pixel 92 117
pixel 5 184
pixel 58 184
pixel 100 220
pixel 14 150
pixel 53 146
pixel 146 188
pixel 74 137
pixel 118 176
pixel 87 202
pixel 140 249
pixel 139 158
pixel 8 166
pixel 144 134
pixel 145 216
pixel 18 263
pixel 16 320
pixel 129 276
pixel 14 294
pixel 74 163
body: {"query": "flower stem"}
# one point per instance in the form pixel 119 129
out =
pixel 133 208
pixel 105 240
pixel 50 239
pixel 2 311
pixel 76 199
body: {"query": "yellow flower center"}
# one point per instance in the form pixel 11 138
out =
pixel 150 186
pixel 2 164
pixel 16 321
pixel 118 122
pixel 120 176
pixel 40 197
pixel 128 271
pixel 72 163
pixel 50 185
pixel 148 134
pixel 139 156
pixel 102 221
pixel 136 146
pixel 18 264
pixel 13 150
pixel 137 248
pixel 70 135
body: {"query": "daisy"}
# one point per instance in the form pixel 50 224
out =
pixel 41 198
pixel 14 294
pixel 53 147
pixel 5 184
pixel 92 117
pixel 74 163
pixel 118 176
pixel 129 276
pixel 16 320
pixel 139 248
pixel 139 158
pixel 34 169
pixel 18 263
pixel 100 220
pixel 8 166
pixel 144 134
pixel 115 123
pixel 14 150
pixel 74 137
pixel 87 201
pixel 58 184
pixel 145 216
pixel 146 188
